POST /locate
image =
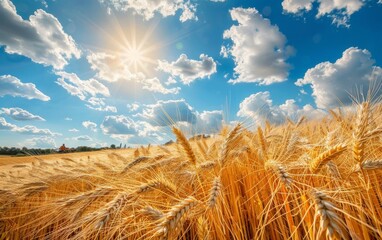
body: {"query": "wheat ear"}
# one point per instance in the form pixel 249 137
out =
pixel 172 218
pixel 360 129
pixel 368 165
pixel 325 157
pixel 227 145
pixel 330 222
pixel 185 145
pixel 214 192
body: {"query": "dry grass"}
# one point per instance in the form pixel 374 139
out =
pixel 317 179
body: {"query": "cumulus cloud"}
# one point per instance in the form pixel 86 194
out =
pixel 28 129
pixel 168 113
pixel 148 8
pixel 209 122
pixel 259 48
pixel 189 70
pixel 113 68
pixel 297 6
pixel 81 88
pixel 41 38
pixel 165 113
pixel 152 123
pixel 90 125
pixel 133 107
pixel 120 125
pixel 260 108
pixel 20 114
pixel 99 104
pixel 125 129
pixel 154 85
pixel 10 85
pixel 73 130
pixel 332 83
pixel 40 142
pixel 86 90
pixel 4 125
pixel 83 138
pixel 338 10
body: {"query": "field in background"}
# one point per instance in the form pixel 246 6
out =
pixel 9 160
pixel 301 180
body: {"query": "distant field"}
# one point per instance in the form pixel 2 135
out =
pixel 9 160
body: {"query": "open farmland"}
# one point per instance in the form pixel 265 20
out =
pixel 300 180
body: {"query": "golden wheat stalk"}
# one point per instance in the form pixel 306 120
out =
pixel 185 145
pixel 171 219
pixel 368 165
pixel 263 143
pixel 214 192
pixel 228 144
pixel 325 157
pixel 156 184
pixel 360 130
pixel 136 161
pixel 280 171
pixel 152 213
pixel 203 229
pixel 112 208
pixel 207 165
pixel 330 222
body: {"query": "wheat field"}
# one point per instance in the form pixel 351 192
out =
pixel 305 179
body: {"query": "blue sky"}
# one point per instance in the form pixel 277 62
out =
pixel 98 72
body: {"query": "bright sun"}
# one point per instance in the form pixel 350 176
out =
pixel 134 56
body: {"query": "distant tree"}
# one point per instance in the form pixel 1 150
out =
pixel 112 146
pixel 124 146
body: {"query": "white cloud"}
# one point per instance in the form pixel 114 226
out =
pixel 154 85
pixel 333 82
pixel 297 6
pixel 28 129
pixel 113 68
pixel 40 142
pixel 125 129
pixel 189 70
pixel 148 8
pixel 259 49
pixel 83 138
pixel 90 125
pixel 154 121
pixel 133 107
pixel 10 85
pixel 20 114
pixel 4 125
pixel 179 112
pixel 68 119
pixel 260 108
pixel 165 113
pixel 73 130
pixel 81 88
pixel 170 81
pixel 41 38
pixel 119 125
pixel 103 108
pixel 209 122
pixel 86 90
pixel 338 10
pixel 99 104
